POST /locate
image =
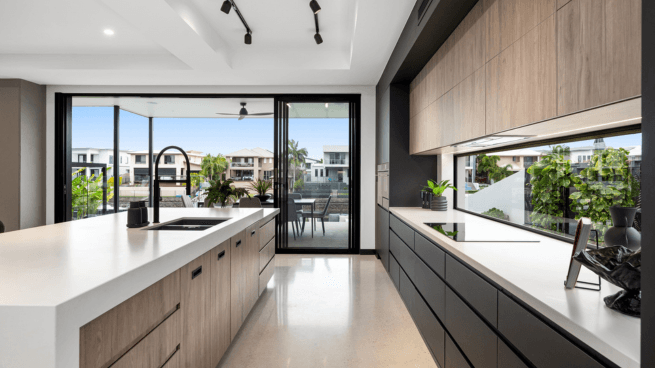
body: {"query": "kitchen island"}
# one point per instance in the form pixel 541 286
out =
pixel 56 279
pixel 501 304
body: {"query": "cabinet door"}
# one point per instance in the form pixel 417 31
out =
pixel 507 358
pixel 220 305
pixel 383 234
pixel 454 358
pixel 156 348
pixel 251 268
pixel 237 282
pixel 195 286
pixel 598 53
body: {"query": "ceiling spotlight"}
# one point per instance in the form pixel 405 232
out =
pixel 226 7
pixel 248 39
pixel 315 7
pixel 109 32
pixel 318 38
pixel 326 105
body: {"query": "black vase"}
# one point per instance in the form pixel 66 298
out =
pixel 263 197
pixel 134 215
pixel 144 211
pixel 622 233
pixel 439 203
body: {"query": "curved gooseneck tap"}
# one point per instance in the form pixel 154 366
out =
pixel 157 194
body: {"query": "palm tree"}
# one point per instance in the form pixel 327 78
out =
pixel 297 156
pixel 213 165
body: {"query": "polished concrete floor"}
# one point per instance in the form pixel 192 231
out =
pixel 328 311
pixel 336 236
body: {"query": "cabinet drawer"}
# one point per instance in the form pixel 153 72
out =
pixel 507 358
pixel 477 341
pixel 403 231
pixel 431 287
pixel 394 270
pixel 404 256
pixel 430 328
pixel 156 348
pixel 536 340
pixel 479 293
pixel 266 233
pixel 266 254
pixel 407 291
pixel 109 336
pixel 454 358
pixel 266 275
pixel 431 254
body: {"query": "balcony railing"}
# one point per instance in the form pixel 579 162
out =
pixel 243 164
pixel 340 161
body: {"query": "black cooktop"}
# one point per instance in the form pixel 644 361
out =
pixel 487 233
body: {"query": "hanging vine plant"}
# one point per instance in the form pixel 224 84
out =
pixel 606 182
pixel 549 176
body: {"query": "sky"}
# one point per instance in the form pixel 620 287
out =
pixel 93 128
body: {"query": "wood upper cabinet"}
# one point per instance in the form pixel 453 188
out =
pixel 220 301
pixel 468 110
pixel 598 53
pixel 106 338
pixel 466 47
pixel 237 281
pixel 521 81
pixel 196 292
pixel 508 20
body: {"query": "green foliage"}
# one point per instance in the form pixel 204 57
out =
pixel 606 182
pixel 549 175
pixel 440 229
pixel 222 191
pixel 213 165
pixel 196 179
pixel 299 184
pixel 86 193
pixel 495 212
pixel 489 165
pixel 438 188
pixel 261 186
pixel 297 156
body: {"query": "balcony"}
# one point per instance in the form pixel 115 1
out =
pixel 242 164
pixel 339 161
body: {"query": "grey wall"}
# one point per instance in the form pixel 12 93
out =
pixel 22 154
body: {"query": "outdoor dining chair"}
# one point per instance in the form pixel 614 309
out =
pixel 317 215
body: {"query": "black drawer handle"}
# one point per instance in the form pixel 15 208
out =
pixel 252 233
pixel 196 272
pixel 238 243
pixel 221 255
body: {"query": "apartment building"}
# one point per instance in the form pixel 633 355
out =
pixel 250 164
pixel 172 163
pixel 101 156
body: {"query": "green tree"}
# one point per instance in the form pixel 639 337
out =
pixel 549 175
pixel 489 165
pixel 605 183
pixel 86 193
pixel 212 166
pixel 297 156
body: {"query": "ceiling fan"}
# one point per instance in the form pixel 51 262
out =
pixel 243 113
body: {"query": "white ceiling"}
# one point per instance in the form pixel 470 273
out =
pixel 191 42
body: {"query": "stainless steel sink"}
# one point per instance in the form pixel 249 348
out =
pixel 189 224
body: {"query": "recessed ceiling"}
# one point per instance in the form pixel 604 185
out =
pixel 191 42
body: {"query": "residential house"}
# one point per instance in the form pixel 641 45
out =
pixel 172 163
pixel 335 167
pixel 101 156
pixel 250 164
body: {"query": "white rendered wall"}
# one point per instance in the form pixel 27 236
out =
pixel 506 195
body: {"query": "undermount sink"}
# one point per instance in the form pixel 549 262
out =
pixel 189 224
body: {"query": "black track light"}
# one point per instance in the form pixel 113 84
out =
pixel 318 38
pixel 315 7
pixel 226 7
pixel 248 39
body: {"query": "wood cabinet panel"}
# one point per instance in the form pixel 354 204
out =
pixel 266 254
pixel 506 21
pixel 195 287
pixel 109 336
pixel 468 109
pixel 156 348
pixel 599 53
pixel 266 275
pixel 266 233
pixel 220 301
pixel 467 45
pixel 251 267
pixel 445 119
pixel 561 3
pixel 237 282
pixel 521 81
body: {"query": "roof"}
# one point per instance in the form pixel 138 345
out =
pixel 244 152
pixel 263 152
pixel 336 149
pixel 635 151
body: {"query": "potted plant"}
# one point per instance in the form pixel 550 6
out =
pixel 438 202
pixel 262 187
pixel 221 191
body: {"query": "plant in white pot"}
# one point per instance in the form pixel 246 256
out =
pixel 438 202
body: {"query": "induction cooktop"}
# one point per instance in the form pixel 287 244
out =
pixel 477 232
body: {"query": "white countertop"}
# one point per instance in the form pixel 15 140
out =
pixel 535 273
pixel 55 279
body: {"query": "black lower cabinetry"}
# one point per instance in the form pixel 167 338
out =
pixel 383 236
pixel 394 271
pixel 477 340
pixel 454 358
pixel 507 358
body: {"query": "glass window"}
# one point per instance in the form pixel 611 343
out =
pixel 81 158
pixel 550 191
pixel 140 159
pixel 111 159
pixel 169 159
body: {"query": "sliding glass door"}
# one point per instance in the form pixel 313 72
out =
pixel 317 166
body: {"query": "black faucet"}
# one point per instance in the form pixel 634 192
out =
pixel 157 193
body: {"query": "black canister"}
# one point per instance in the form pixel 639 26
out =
pixel 144 211
pixel 134 215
